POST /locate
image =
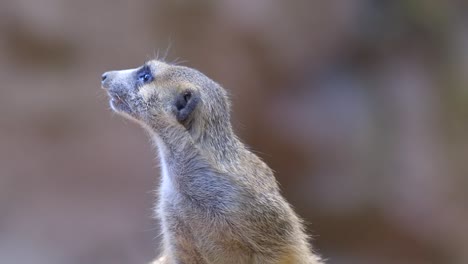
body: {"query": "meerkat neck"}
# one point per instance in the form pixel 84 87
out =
pixel 173 141
pixel 220 143
pixel 216 143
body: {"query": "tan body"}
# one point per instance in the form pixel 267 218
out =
pixel 218 202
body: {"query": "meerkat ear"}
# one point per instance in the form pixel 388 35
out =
pixel 185 104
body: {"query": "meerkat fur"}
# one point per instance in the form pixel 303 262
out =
pixel 218 202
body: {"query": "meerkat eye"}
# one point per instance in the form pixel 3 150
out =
pixel 144 75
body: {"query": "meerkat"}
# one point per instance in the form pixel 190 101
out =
pixel 218 202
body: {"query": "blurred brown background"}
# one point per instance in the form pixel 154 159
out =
pixel 360 106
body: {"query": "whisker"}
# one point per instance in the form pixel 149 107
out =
pixel 168 49
pixel 157 54
pixel 178 61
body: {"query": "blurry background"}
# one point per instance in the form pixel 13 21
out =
pixel 360 106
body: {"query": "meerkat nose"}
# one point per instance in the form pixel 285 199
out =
pixel 104 76
pixel 104 80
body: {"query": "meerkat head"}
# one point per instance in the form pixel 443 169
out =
pixel 158 94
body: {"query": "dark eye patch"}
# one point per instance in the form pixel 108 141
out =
pixel 144 74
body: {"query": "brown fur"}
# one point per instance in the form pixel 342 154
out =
pixel 218 202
